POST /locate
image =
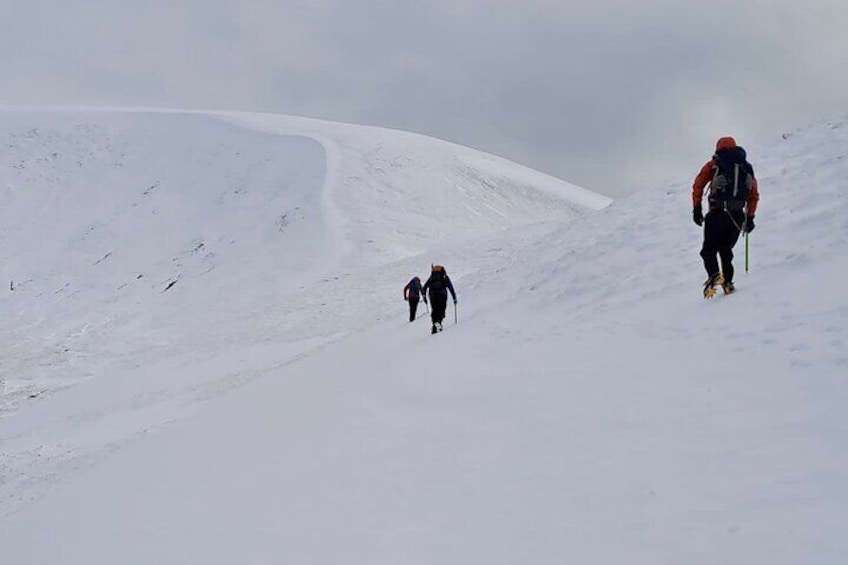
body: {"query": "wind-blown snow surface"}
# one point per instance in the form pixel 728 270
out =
pixel 273 405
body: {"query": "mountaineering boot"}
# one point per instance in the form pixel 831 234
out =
pixel 727 287
pixel 710 284
pixel 433 329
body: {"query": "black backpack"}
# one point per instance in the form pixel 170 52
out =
pixel 438 278
pixel 732 179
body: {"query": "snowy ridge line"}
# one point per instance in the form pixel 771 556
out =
pixel 308 126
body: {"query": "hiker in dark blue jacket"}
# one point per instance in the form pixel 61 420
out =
pixel 412 294
pixel 438 286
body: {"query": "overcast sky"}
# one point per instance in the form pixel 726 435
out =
pixel 614 95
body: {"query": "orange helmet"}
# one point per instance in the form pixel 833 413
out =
pixel 725 142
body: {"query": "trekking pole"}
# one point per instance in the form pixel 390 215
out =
pixel 746 251
pixel 454 312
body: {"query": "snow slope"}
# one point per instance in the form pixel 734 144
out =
pixel 587 407
pixel 110 220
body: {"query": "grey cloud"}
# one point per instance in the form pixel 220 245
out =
pixel 614 95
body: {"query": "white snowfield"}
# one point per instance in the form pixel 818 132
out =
pixel 205 355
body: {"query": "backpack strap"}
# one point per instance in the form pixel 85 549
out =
pixel 735 180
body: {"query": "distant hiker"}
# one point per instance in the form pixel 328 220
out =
pixel 412 294
pixel 732 199
pixel 438 286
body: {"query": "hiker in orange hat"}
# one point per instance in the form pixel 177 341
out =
pixel 732 197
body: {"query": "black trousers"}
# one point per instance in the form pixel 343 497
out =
pixel 721 232
pixel 438 304
pixel 413 307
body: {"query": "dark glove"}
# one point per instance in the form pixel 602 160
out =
pixel 406 299
pixel 749 224
pixel 698 216
pixel 454 301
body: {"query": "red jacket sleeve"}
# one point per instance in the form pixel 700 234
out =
pixel 704 177
pixel 753 198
